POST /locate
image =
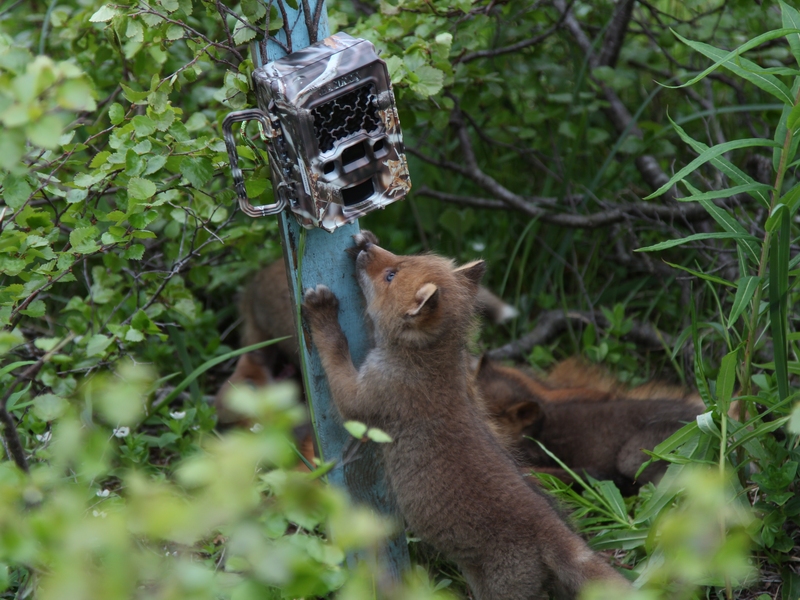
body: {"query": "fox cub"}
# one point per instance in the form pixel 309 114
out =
pixel 600 430
pixel 267 311
pixel 456 486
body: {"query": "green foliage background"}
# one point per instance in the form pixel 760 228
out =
pixel 538 141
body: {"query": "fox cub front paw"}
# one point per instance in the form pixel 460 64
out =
pixel 362 240
pixel 320 306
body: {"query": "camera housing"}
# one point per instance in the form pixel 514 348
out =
pixel 332 133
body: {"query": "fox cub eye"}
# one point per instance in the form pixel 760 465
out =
pixel 390 275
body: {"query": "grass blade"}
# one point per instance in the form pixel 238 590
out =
pixel 711 278
pixel 213 362
pixel 15 365
pixel 725 59
pixel 744 293
pixel 722 164
pixel 186 361
pixel 791 20
pixel 744 68
pixel 696 237
pixel 709 154
pixel 727 193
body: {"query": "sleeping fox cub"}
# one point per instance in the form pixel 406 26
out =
pixel 456 486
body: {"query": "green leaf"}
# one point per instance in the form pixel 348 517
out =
pixel 97 344
pixel 725 381
pixel 699 369
pixel 76 94
pixel 757 433
pixel 748 69
pixel 785 152
pixel 665 492
pixel 254 10
pixel 243 32
pixel 707 425
pixel 15 365
pixel 429 81
pixel 45 132
pixel 728 192
pixel 135 252
pixel 134 335
pixel 169 5
pixel 48 407
pixel 14 398
pixel 135 30
pixel 623 539
pixel 696 237
pixel 774 220
pixel 132 95
pixel 143 126
pixel 378 435
pixel 213 362
pixel 142 322
pixel 794 421
pixel 141 189
pixel 791 20
pixel 701 275
pixel 83 240
pixel 197 170
pixel 710 154
pixel 35 309
pixel 747 243
pixel 793 120
pixel 100 159
pixel 613 498
pixel 16 191
pixel 174 32
pixel 723 165
pixel 745 289
pixel 778 301
pixel 792 199
pixel 104 14
pixel 116 113
pixel 356 429
pixel 396 69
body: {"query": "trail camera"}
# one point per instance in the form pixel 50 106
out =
pixel 329 120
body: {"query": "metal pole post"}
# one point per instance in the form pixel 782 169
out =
pixel 315 256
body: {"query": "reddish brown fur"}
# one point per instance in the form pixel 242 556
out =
pixel 267 310
pixel 250 371
pixel 602 438
pixel 575 372
pixel 455 485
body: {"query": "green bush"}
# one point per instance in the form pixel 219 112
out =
pixel 120 246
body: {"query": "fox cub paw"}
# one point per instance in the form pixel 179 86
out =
pixel 320 305
pixel 362 240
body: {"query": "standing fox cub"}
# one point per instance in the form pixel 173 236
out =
pixel 456 486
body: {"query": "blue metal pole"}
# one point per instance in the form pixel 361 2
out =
pixel 315 256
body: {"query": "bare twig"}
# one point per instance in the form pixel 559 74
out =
pixel 617 112
pixel 554 322
pixel 615 34
pixel 622 212
pixel 11 436
pixel 537 39
pixel 548 209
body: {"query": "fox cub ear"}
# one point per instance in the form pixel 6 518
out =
pixel 426 296
pixel 484 366
pixel 525 413
pixel 472 272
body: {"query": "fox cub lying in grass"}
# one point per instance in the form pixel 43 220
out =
pixel 599 428
pixel 455 484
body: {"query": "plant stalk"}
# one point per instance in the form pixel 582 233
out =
pixel 762 268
